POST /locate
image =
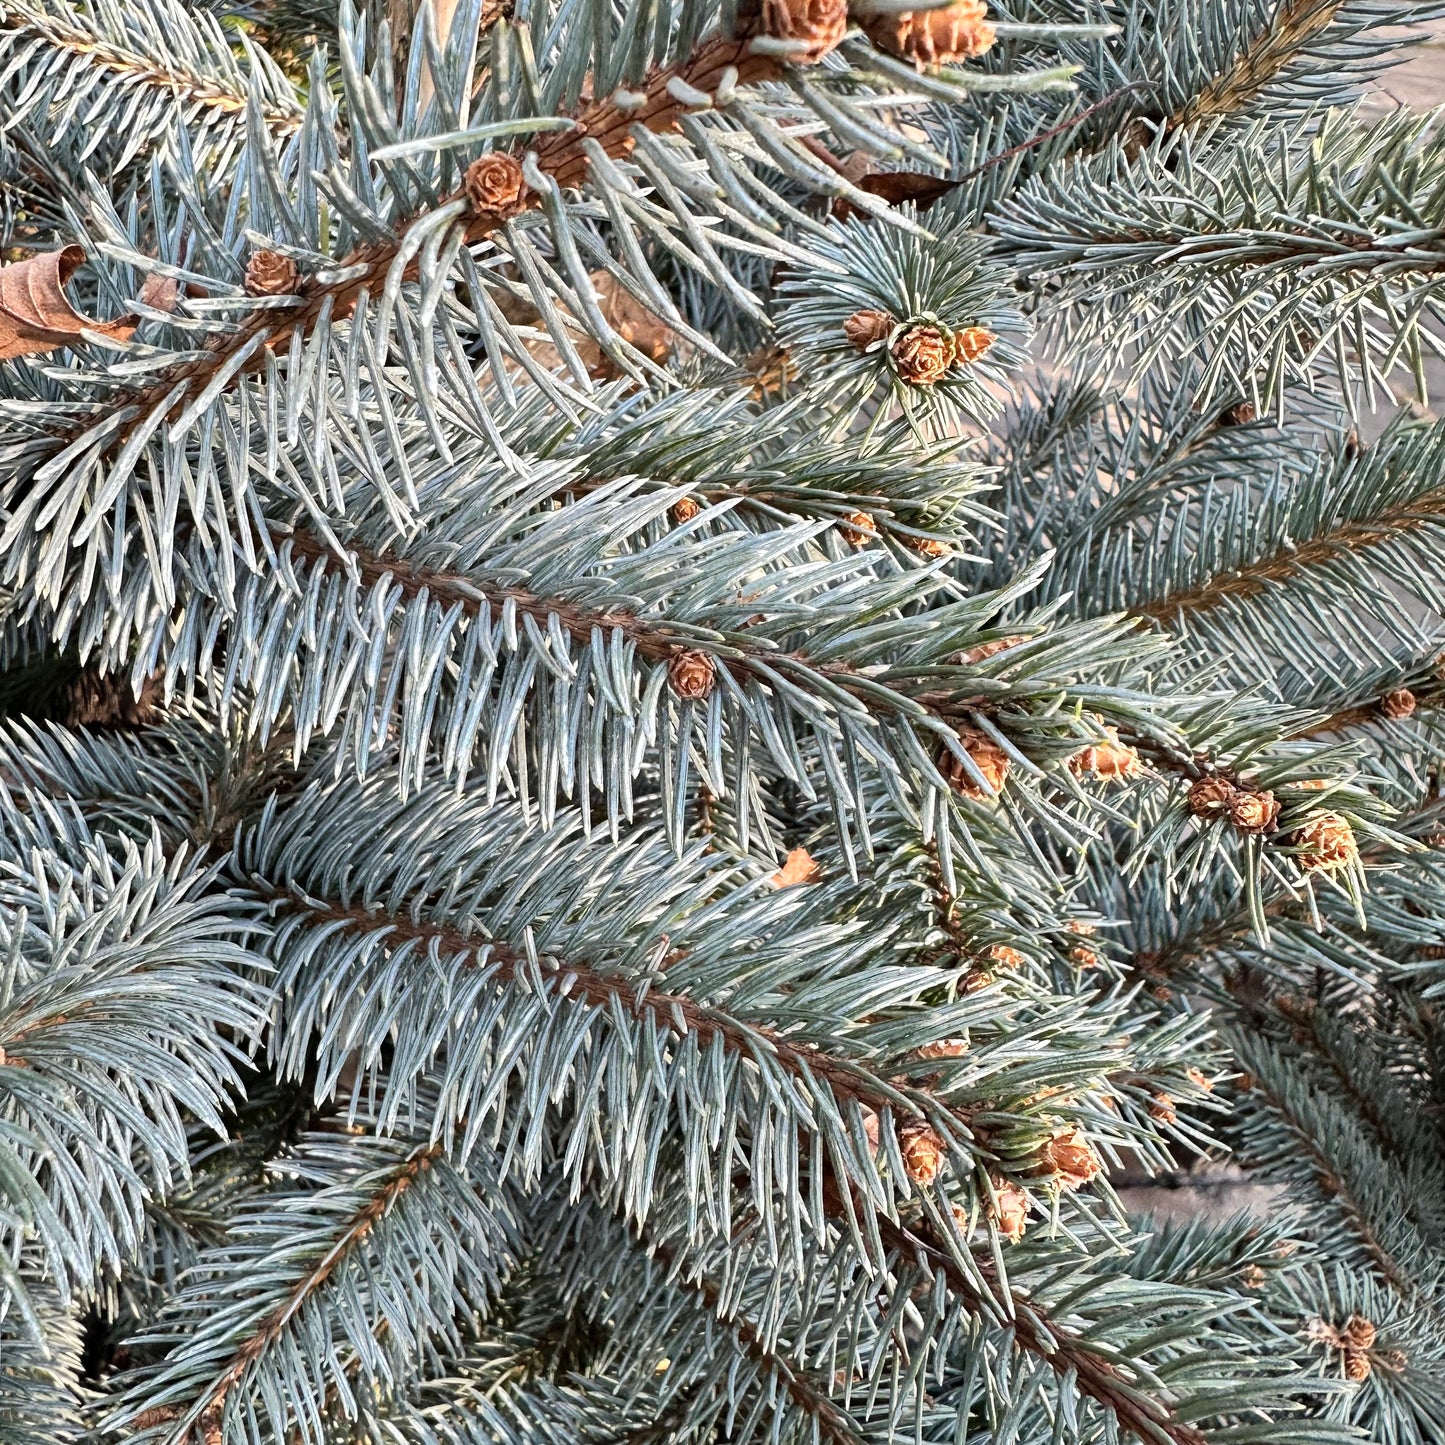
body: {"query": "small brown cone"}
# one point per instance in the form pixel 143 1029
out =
pixel 922 355
pixel 1210 796
pixel 1199 1079
pixel 867 328
pixel 1109 759
pixel 930 547
pixel 1084 956
pixel 987 757
pixel 684 509
pixel 1006 957
pixel 1357 1366
pixel 269 273
pixel 798 867
pixel 943 1049
pixel 934 37
pixel 1161 1108
pixel 1069 1159
pixel 1360 1332
pixel 923 1149
pixel 1326 842
pixel 857 528
pixel 1008 1210
pixel 971 343
pixel 819 24
pixel 1253 812
pixel 495 187
pixel 1398 704
pixel 691 674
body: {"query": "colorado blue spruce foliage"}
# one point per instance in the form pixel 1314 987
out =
pixel 672 671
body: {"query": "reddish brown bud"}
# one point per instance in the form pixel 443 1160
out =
pixel 268 273
pixel 819 26
pixel 971 343
pixel 1008 1210
pixel 1326 842
pixel 867 328
pixel 923 1149
pixel 922 355
pixel 986 756
pixel 1398 704
pixel 857 528
pixel 798 867
pixel 943 1049
pixel 1253 812
pixel 691 674
pixel 1357 1366
pixel 495 187
pixel 1210 796
pixel 1107 760
pixel 1069 1159
pixel 985 650
pixel 933 37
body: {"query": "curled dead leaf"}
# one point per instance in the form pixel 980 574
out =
pixel 36 315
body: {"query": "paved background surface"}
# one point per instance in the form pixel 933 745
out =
pixel 1416 83
pixel 1419 81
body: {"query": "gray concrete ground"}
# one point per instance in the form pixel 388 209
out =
pixel 1418 82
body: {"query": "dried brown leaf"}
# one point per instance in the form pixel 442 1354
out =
pixel 36 315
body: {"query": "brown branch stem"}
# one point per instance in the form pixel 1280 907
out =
pixel 833 1424
pixel 1264 58
pixel 1147 1417
pixel 1334 1186
pixel 357 1228
pixel 1427 509
pixel 674 1013
pixel 681 1016
pixel 184 85
pixel 559 154
pixel 654 640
